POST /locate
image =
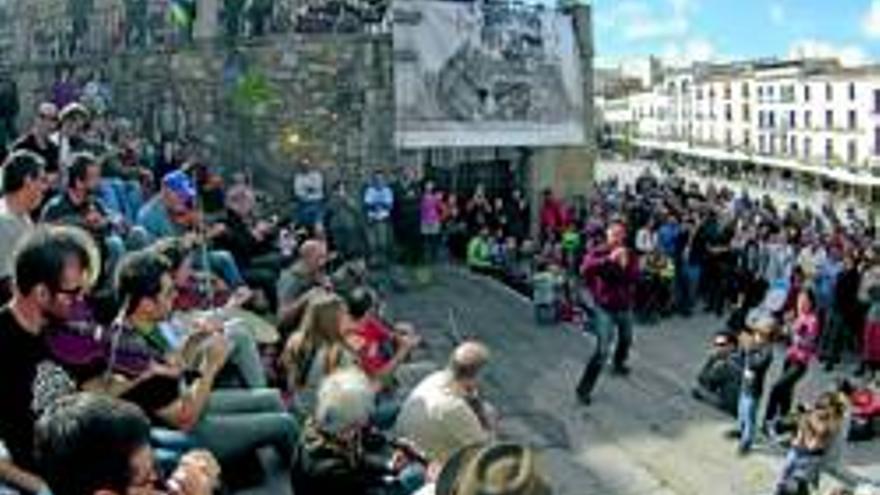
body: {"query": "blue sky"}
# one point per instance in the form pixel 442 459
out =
pixel 681 31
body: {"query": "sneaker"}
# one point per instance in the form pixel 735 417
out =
pixel 584 399
pixel 621 370
pixel 732 434
pixel 743 450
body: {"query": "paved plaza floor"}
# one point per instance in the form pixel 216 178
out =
pixel 642 435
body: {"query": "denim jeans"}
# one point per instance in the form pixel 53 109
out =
pixel 693 274
pixel 604 323
pixel 223 264
pixel 237 422
pixel 122 197
pixel 747 417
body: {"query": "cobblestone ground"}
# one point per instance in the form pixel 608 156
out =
pixel 643 434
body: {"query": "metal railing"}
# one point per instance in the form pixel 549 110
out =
pixel 152 25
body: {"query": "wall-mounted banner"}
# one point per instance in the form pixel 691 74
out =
pixel 483 74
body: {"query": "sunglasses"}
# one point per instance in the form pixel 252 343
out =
pixel 71 292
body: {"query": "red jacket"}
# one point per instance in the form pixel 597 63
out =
pixel 612 286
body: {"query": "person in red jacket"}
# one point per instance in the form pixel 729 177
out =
pixel 552 217
pixel 610 272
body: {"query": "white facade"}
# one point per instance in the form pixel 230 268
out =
pixel 811 116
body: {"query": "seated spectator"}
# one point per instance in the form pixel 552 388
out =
pixel 339 453
pixel 229 423
pixel 307 273
pixel 95 445
pixel 499 469
pixel 51 270
pixel 479 253
pixel 381 349
pixel 172 213
pixel 445 412
pixel 78 205
pixel 23 189
pixel 243 329
pixel 37 139
pixel 316 349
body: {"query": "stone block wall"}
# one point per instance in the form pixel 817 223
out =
pixel 266 104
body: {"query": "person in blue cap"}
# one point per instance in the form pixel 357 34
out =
pixel 172 212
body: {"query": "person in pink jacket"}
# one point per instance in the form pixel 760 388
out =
pixel 801 352
pixel 431 211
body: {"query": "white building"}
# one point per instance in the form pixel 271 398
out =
pixel 811 118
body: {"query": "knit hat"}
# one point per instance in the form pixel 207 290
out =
pixel 501 469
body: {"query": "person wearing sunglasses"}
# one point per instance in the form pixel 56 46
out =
pixel 38 138
pixel 51 272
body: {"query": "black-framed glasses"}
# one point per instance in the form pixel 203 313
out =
pixel 71 292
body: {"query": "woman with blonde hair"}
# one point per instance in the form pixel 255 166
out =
pixel 316 349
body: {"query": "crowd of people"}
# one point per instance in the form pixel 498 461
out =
pixel 163 332
pixel 155 306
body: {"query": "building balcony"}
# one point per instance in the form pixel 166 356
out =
pixel 53 37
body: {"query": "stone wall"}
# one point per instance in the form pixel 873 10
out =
pixel 266 104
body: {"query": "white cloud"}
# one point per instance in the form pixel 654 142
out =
pixel 638 20
pixel 777 13
pixel 687 52
pixel 871 21
pixel 849 55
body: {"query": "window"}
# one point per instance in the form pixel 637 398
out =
pixel 770 93
pixel 877 141
pixel 746 114
pixel 727 91
pixel 728 113
pixel 877 101
pixel 792 149
pixel 728 139
pixel 829 149
pixel 829 119
pixel 852 91
pixel 808 119
pixel 771 120
pixel 745 90
pixel 760 119
pixel 829 92
pixel 852 153
pixel 853 122
pixel 807 147
pixel 747 139
pixel 792 119
pixel 783 146
pixel 771 145
pixel 700 93
pixel 806 92
pixel 762 143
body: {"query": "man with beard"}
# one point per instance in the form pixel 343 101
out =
pixel 52 270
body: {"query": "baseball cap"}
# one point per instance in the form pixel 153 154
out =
pixel 181 185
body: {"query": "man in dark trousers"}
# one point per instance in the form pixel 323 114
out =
pixel 610 272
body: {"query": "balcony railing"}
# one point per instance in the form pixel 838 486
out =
pixel 152 24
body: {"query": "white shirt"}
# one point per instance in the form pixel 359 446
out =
pixel 437 420
pixel 646 241
pixel 13 227
pixel 309 186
